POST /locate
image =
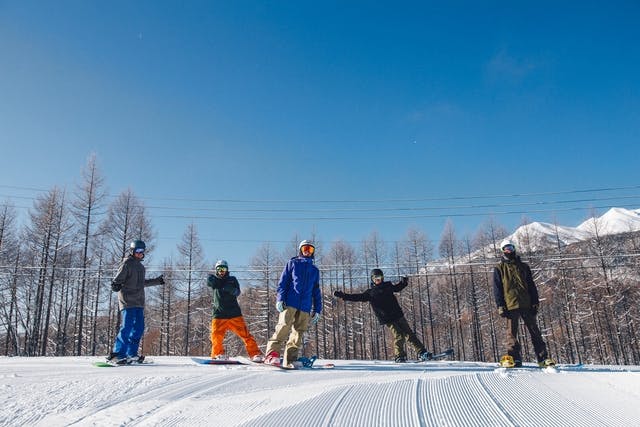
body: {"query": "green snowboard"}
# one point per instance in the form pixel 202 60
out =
pixel 103 365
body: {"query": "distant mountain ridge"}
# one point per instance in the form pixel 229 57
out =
pixel 537 235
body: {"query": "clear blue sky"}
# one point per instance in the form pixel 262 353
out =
pixel 303 112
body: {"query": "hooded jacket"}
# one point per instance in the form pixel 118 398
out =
pixel 131 276
pixel 225 291
pixel 382 299
pixel 299 285
pixel 513 285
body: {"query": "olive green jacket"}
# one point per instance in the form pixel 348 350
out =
pixel 513 286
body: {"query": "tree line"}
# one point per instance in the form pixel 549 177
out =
pixel 55 297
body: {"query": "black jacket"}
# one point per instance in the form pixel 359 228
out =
pixel 382 300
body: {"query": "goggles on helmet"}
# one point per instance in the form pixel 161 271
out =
pixel 508 248
pixel 307 248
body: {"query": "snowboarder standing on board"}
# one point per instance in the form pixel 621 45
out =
pixel 388 311
pixel 516 296
pixel 129 283
pixel 299 303
pixel 226 313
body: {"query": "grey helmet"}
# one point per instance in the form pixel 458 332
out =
pixel 221 263
pixel 307 243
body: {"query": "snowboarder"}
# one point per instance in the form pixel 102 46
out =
pixel 388 311
pixel 516 296
pixel 299 303
pixel 129 283
pixel 226 313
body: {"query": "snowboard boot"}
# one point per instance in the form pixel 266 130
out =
pixel 401 359
pixel 507 361
pixel 135 359
pixel 547 363
pixel 273 358
pixel 112 357
pixel 258 358
pixel 116 359
pixel 425 355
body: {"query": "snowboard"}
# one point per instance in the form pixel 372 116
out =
pixel 307 363
pixel 203 361
pixel 437 356
pixel 507 362
pixel 101 364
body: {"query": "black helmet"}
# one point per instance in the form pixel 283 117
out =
pixel 137 246
pixel 376 272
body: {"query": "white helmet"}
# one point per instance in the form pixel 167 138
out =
pixel 304 243
pixel 506 242
pixel 221 263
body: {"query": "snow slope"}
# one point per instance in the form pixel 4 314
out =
pixel 174 391
pixel 542 234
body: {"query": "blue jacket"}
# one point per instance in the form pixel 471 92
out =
pixel 299 285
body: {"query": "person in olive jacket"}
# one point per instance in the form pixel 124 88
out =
pixel 388 311
pixel 517 298
pixel 226 314
pixel 129 283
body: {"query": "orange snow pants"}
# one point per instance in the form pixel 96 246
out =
pixel 219 328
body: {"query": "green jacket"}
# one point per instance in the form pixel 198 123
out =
pixel 513 285
pixel 225 292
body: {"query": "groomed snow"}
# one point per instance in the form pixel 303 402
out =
pixel 174 391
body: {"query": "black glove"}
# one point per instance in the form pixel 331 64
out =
pixel 160 279
pixel 115 287
pixel 503 312
pixel 338 294
pixel 404 280
pixel 534 309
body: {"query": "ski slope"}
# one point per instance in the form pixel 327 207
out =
pixel 174 391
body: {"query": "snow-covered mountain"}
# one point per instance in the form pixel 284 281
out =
pixel 537 235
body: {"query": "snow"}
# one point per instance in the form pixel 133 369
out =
pixel 174 391
pixel 542 234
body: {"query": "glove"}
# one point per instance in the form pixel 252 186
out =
pixel 115 287
pixel 503 312
pixel 338 294
pixel 404 280
pixel 160 279
pixel 315 318
pixel 534 309
pixel 280 306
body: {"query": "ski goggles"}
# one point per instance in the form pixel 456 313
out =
pixel 307 248
pixel 139 251
pixel 508 248
pixel 377 277
pixel 221 268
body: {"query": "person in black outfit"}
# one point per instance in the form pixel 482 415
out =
pixel 388 311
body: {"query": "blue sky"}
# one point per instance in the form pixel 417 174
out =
pixel 261 121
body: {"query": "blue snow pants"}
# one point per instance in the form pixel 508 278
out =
pixel 131 331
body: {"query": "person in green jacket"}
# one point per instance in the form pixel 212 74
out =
pixel 516 296
pixel 226 314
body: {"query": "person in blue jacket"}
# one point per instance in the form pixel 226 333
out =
pixel 299 302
